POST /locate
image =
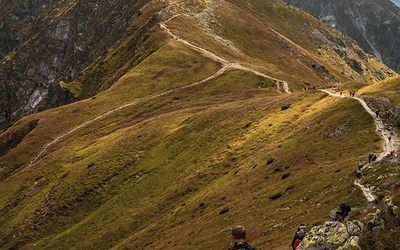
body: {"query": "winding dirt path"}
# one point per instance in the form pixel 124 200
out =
pixel 225 65
pixel 384 133
pixel 110 112
pixel 222 60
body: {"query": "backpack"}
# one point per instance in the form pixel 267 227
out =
pixel 297 238
pixel 296 243
pixel 241 245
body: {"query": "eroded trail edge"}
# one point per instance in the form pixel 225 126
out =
pixel 384 133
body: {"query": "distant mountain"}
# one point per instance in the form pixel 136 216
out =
pixel 190 117
pixel 373 24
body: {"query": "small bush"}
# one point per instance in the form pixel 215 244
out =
pixel 278 169
pixel 285 176
pixel 287 167
pixel 270 161
pixel 276 196
pixel 266 177
pixel 90 165
pixel 224 210
pixel 248 124
pixel 286 106
pixel 202 204
pixel 290 187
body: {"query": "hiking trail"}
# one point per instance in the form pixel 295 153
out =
pixel 383 132
pixel 221 60
pixel 225 65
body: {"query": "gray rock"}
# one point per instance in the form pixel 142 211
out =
pixel 333 235
pixel 44 43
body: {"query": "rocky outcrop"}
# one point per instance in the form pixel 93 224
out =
pixel 376 224
pixel 19 21
pixel 391 207
pixel 373 24
pixel 333 235
pixel 49 42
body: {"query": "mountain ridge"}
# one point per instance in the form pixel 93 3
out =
pixel 191 144
pixel 371 23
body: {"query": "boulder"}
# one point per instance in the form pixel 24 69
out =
pixel 333 235
pixel 391 206
pixel 376 225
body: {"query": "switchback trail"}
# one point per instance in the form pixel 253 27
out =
pixel 225 65
pixel 223 61
pixel 384 133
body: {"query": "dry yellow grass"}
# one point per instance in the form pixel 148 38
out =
pixel 157 173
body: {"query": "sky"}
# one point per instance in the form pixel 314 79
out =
pixel 397 2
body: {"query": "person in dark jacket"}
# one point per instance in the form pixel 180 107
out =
pixel 239 237
pixel 298 236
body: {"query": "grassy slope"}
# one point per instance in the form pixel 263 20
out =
pixel 389 89
pixel 156 174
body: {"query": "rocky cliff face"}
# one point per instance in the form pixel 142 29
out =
pixel 46 42
pixel 373 24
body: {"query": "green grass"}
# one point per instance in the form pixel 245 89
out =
pixel 157 174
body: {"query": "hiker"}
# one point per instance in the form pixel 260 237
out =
pixel 390 138
pixel 360 165
pixel 239 236
pixel 377 113
pixel 340 213
pixel 372 157
pixel 298 236
pixel 393 152
pixel 359 174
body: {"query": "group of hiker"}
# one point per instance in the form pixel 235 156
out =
pixel 360 167
pixel 239 234
pixel 239 237
pixel 340 213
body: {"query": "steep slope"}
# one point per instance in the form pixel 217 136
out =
pixel 50 43
pixel 18 20
pixel 373 24
pixel 82 48
pixel 210 130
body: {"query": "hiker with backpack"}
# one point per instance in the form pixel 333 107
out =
pixel 298 236
pixel 372 157
pixel 340 213
pixel 359 174
pixel 360 165
pixel 239 237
